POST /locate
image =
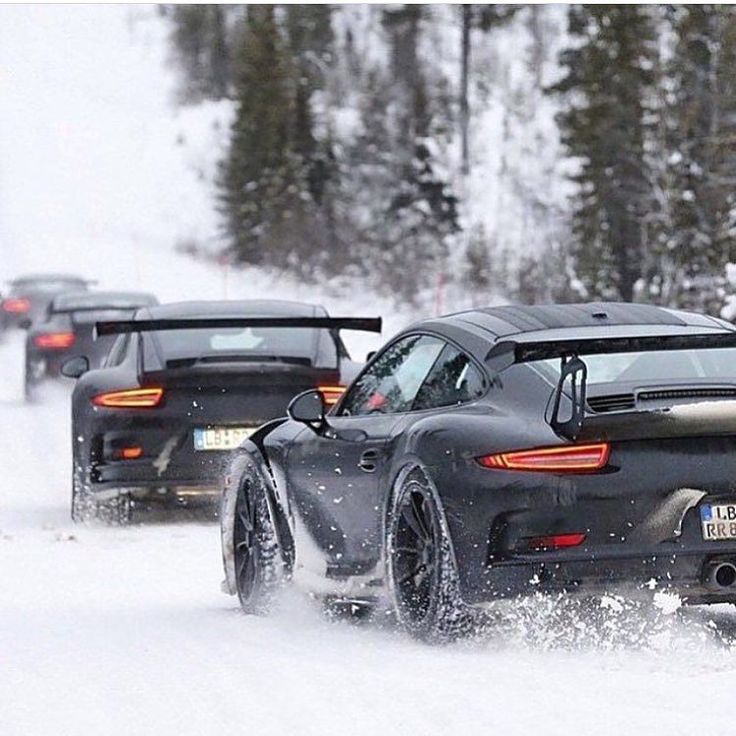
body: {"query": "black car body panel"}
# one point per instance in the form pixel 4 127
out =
pixel 212 379
pixel 669 437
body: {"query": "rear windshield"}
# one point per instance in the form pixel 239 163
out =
pixel 250 343
pixel 659 365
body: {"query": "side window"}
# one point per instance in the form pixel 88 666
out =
pixel 390 385
pixel 452 380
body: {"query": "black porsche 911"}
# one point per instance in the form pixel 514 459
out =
pixel 183 385
pixel 496 452
pixel 28 296
pixel 67 329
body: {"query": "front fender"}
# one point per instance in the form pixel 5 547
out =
pixel 248 462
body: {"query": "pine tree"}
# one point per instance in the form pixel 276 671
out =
pixel 701 140
pixel 610 78
pixel 260 176
pixel 422 211
pixel 275 181
pixel 201 40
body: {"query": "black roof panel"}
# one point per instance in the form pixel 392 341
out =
pixel 509 320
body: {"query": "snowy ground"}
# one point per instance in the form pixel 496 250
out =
pixel 125 631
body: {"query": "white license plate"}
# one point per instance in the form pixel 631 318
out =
pixel 718 521
pixel 221 438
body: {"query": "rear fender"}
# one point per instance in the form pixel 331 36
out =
pixel 462 434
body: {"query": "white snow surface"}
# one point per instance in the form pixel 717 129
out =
pixel 124 631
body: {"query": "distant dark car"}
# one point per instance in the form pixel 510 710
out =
pixel 67 329
pixel 495 453
pixel 28 297
pixel 185 384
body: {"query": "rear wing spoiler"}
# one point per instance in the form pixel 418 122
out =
pixel 506 353
pixel 124 327
pixel 99 308
pixel 574 372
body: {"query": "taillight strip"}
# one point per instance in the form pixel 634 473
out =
pixel 54 340
pixel 564 459
pixel 16 306
pixel 331 394
pixel 132 398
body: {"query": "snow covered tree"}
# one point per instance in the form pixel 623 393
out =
pixel 701 140
pixel 609 83
pixel 422 209
pixel 273 180
pixel 201 39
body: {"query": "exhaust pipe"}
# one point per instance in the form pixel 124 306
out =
pixel 720 574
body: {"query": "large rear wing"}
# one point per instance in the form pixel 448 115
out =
pixel 568 422
pixel 122 327
pixel 99 308
pixel 506 353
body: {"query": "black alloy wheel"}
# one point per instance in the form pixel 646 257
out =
pixel 422 571
pixel 244 534
pixel 255 550
pixel 416 555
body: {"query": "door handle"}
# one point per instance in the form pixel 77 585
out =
pixel 369 461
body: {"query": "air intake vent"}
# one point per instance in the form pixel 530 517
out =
pixel 688 393
pixel 612 402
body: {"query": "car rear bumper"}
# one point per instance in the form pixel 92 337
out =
pixel 685 572
pixel 180 492
pixel 641 531
pixel 135 472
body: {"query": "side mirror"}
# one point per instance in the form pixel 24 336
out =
pixel 369 355
pixel 75 367
pixel 308 408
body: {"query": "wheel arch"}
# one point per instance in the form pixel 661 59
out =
pixel 411 464
pixel 250 459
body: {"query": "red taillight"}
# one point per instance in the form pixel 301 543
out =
pixel 556 541
pixel 16 306
pixel 129 453
pixel 331 394
pixel 54 340
pixel 566 459
pixel 132 398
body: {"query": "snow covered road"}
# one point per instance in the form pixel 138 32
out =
pixel 125 631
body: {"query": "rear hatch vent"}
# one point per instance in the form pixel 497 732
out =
pixel 611 402
pixel 687 393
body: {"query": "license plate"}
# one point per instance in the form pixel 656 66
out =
pixel 718 521
pixel 221 438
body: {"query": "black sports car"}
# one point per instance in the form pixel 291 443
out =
pixel 496 452
pixel 68 329
pixel 183 385
pixel 29 296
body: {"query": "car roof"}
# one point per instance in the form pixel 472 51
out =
pixel 232 308
pixel 480 328
pixel 547 318
pixel 28 278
